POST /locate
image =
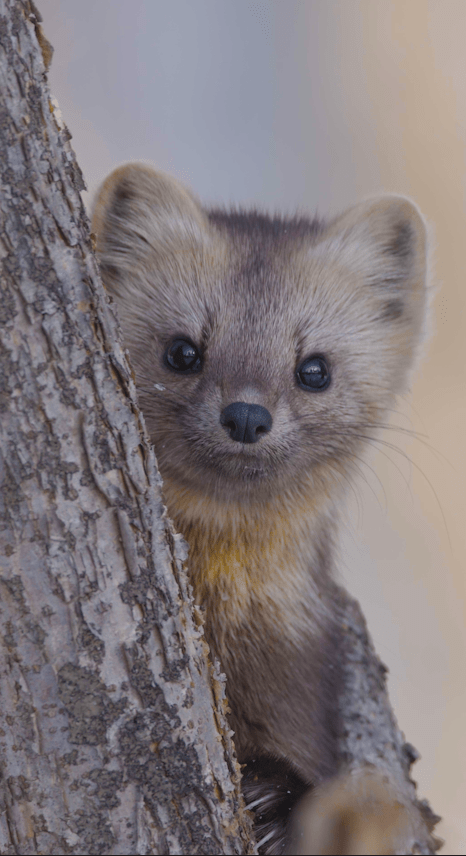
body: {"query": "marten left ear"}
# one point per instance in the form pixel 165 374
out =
pixel 383 241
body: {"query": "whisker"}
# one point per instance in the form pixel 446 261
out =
pixel 394 448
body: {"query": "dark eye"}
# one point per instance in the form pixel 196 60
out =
pixel 314 374
pixel 183 356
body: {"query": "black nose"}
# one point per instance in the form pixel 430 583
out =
pixel 246 423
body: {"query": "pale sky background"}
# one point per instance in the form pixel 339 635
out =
pixel 312 104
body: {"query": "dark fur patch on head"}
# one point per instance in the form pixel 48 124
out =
pixel 392 311
pixel 122 196
pixel 259 225
pixel 111 271
pixel 401 244
pixel 254 266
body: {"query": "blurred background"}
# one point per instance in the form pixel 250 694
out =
pixel 310 105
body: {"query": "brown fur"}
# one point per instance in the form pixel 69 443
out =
pixel 257 295
pixel 355 814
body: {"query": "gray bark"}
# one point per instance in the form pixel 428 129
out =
pixel 370 734
pixel 113 733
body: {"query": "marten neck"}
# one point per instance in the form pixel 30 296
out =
pixel 275 552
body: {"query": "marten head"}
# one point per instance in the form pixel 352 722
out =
pixel 265 349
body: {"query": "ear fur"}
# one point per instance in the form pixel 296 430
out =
pixel 382 244
pixel 137 208
pixel 383 241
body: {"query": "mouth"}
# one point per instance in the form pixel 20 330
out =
pixel 253 473
pixel 243 466
pixel 237 468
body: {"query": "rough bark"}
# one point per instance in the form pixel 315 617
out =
pixel 370 734
pixel 113 733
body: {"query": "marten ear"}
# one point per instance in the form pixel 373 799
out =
pixel 383 242
pixel 139 212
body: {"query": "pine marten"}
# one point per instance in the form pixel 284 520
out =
pixel 266 350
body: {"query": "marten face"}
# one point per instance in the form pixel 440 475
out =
pixel 265 350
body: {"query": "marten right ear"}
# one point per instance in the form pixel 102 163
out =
pixel 139 212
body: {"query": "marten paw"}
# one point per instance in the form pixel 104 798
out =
pixel 357 813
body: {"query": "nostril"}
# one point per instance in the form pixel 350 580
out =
pixel 246 423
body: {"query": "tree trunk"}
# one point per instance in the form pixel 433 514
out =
pixel 113 732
